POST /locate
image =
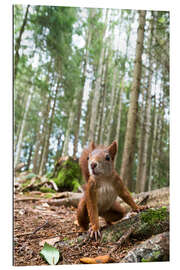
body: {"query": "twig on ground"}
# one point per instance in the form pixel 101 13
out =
pixel 35 231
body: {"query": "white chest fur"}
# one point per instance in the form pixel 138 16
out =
pixel 106 195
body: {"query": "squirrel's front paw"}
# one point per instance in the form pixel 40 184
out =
pixel 141 208
pixel 94 233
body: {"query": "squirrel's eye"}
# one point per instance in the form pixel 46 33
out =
pixel 107 157
pixel 87 158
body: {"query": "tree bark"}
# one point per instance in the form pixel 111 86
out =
pixel 143 164
pixel 152 157
pixel 46 146
pixel 41 137
pixel 130 138
pixel 119 117
pixel 112 107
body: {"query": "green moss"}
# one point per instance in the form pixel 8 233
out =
pixel 48 195
pixel 25 184
pixel 47 189
pixel 69 176
pixel 154 257
pixel 152 216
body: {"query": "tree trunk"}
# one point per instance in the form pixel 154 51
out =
pixel 112 107
pixel 20 139
pixel 101 106
pixel 104 93
pixel 130 138
pixel 153 150
pixel 96 95
pixel 68 130
pixel 143 162
pixel 46 147
pixel 18 41
pixel 29 157
pixel 119 117
pixel 41 137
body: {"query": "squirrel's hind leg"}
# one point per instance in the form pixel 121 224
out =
pixel 115 213
pixel 82 215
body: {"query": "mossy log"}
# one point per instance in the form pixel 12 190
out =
pixel 141 226
pixel 154 249
pixel 67 174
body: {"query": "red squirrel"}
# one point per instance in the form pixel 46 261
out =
pixel 103 187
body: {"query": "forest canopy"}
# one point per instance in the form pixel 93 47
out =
pixel 92 74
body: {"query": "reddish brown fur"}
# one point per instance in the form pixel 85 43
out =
pixel 102 189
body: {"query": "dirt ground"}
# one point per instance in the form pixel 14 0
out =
pixel 35 221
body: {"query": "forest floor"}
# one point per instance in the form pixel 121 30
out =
pixel 35 221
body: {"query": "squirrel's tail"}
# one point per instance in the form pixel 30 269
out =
pixel 83 161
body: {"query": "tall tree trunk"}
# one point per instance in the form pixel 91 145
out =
pixel 58 146
pixel 80 93
pixel 153 150
pixel 41 137
pixel 130 138
pixel 46 146
pixel 101 105
pixel 20 139
pixel 96 95
pixel 112 107
pixel 122 84
pixel 119 117
pixel 104 85
pixel 143 155
pixel 29 157
pixel 18 41
pixel 68 130
pixel 87 119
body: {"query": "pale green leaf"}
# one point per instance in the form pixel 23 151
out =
pixel 50 254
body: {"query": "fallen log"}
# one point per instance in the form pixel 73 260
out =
pixel 141 226
pixel 154 249
pixel 154 198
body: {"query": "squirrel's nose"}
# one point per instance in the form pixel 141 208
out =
pixel 93 165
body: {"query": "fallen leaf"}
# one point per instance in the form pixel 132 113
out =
pixel 50 254
pixel 50 241
pixel 96 260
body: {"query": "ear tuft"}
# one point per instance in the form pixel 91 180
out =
pixel 112 149
pixel 92 146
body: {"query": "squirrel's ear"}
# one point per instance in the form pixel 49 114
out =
pixel 112 149
pixel 91 146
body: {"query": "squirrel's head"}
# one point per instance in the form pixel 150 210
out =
pixel 101 159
